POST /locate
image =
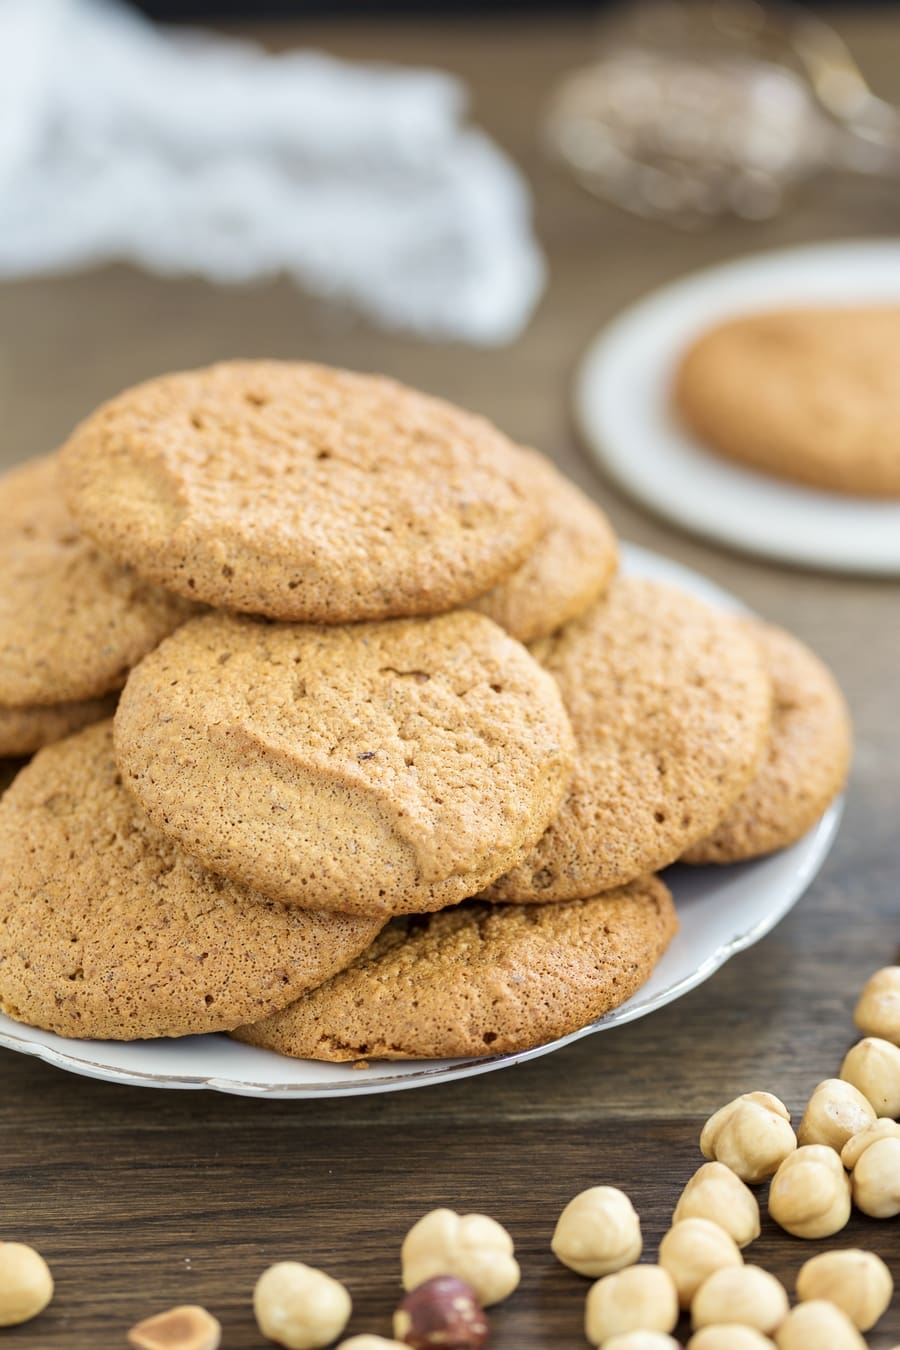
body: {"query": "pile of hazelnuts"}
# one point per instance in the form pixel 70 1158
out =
pixel 845 1151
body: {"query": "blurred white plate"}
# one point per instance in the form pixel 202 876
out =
pixel 722 910
pixel 623 407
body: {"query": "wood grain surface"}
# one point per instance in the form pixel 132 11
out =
pixel 140 1199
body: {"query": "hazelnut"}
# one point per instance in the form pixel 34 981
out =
pixel 443 1311
pixel 810 1193
pixel 299 1307
pixel 715 1193
pixel 729 1336
pixel 26 1285
pixel 473 1247
pixel 184 1328
pixel 640 1298
pixel 692 1250
pixel 875 1181
pixel 878 1010
pixel 855 1147
pixel 598 1232
pixel 642 1340
pixel 873 1066
pixel 747 1295
pixel 835 1112
pixel 859 1283
pixel 818 1324
pixel 371 1343
pixel 752 1135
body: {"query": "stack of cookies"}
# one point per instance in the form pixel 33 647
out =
pixel 397 754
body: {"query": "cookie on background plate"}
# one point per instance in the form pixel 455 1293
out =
pixel 383 768
pixel 571 566
pixel 810 395
pixel 109 930
pixel 301 492
pixel 480 980
pixel 805 763
pixel 670 702
pixel 72 622
pixel 24 730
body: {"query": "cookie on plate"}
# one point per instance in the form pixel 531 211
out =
pixel 571 566
pixel 480 980
pixel 805 763
pixel 810 395
pixel 24 730
pixel 109 930
pixel 670 703
pixel 72 622
pixel 391 767
pixel 301 492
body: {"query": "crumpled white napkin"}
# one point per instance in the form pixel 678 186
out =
pixel 192 152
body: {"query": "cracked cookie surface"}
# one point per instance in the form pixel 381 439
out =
pixel 301 492
pixel 72 622
pixel 670 703
pixel 384 768
pixel 109 930
pixel 805 762
pixel 480 979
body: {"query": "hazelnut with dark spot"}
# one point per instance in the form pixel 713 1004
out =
pixel 442 1312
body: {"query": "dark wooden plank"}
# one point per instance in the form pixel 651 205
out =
pixel 140 1198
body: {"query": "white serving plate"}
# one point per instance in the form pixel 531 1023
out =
pixel 722 910
pixel 623 408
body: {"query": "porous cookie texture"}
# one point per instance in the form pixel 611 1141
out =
pixel 24 730
pixel 72 622
pixel 110 930
pixel 301 492
pixel 382 768
pixel 571 566
pixel 805 762
pixel 670 703
pixel 480 979
pixel 810 395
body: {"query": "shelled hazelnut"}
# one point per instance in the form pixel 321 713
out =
pixel 694 1249
pixel 642 1340
pixel 444 1311
pixel 598 1232
pixel 818 1324
pixel 26 1285
pixel 873 1066
pixel 473 1247
pixel 835 1112
pixel 878 1010
pixel 747 1295
pixel 752 1135
pixel 715 1193
pixel 366 1342
pixel 299 1307
pixel 187 1327
pixel 874 1157
pixel 810 1193
pixel 858 1282
pixel 640 1298
pixel 729 1336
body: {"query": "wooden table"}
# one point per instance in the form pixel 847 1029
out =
pixel 141 1199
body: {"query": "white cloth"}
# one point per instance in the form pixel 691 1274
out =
pixel 189 152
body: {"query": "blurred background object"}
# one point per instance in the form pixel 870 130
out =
pixel 186 152
pixel 703 108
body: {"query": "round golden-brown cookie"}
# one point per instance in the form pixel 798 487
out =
pixel 805 763
pixel 109 930
pixel 670 703
pixel 24 730
pixel 810 395
pixel 302 492
pixel 383 768
pixel 571 566
pixel 72 622
pixel 480 979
